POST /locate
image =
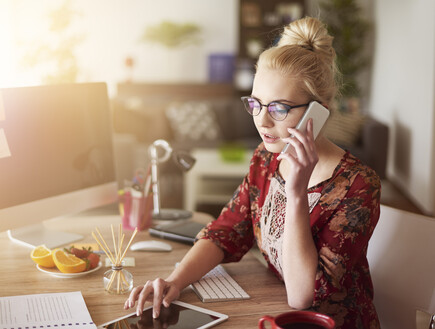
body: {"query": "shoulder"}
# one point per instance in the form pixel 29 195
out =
pixel 352 179
pixel 351 200
pixel 362 173
pixel 352 170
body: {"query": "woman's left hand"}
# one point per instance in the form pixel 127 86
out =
pixel 302 158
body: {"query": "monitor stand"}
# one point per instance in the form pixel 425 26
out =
pixel 36 235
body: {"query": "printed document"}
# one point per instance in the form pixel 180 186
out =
pixel 45 311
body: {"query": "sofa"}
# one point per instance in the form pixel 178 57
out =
pixel 364 136
pixel 372 146
pixel 187 115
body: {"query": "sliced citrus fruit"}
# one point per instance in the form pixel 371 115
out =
pixel 68 263
pixel 42 256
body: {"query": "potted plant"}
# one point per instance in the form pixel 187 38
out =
pixel 346 23
pixel 172 35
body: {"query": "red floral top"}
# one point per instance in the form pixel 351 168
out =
pixel 342 220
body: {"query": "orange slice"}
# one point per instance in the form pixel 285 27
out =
pixel 42 256
pixel 68 263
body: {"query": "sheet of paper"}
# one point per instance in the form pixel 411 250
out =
pixel 4 146
pixel 45 310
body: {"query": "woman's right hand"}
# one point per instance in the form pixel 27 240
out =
pixel 157 291
pixel 200 259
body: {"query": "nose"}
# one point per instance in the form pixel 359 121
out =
pixel 263 119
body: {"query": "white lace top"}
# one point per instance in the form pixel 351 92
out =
pixel 272 220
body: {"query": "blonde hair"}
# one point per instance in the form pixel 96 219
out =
pixel 305 52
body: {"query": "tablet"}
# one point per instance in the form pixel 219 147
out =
pixel 182 231
pixel 178 315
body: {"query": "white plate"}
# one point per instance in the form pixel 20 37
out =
pixel 58 274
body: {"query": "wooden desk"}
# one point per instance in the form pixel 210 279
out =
pixel 19 276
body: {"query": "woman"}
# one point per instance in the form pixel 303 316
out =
pixel 311 209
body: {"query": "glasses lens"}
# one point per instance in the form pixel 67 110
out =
pixel 251 105
pixel 278 111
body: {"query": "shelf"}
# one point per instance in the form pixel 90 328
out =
pixel 263 21
pixel 260 25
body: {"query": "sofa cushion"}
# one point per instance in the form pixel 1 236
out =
pixel 193 121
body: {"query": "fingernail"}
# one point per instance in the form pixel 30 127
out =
pixel 130 304
pixel 155 315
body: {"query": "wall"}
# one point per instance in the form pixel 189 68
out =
pixel 118 28
pixel 402 93
pixel 111 31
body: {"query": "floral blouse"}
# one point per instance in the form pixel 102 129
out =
pixel 344 211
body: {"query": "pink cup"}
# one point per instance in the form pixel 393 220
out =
pixel 136 210
pixel 298 320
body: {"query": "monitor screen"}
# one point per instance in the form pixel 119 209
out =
pixel 56 154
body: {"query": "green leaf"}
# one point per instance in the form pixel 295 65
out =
pixel 172 35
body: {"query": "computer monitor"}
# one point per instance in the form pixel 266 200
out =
pixel 56 158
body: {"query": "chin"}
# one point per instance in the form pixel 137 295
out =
pixel 274 148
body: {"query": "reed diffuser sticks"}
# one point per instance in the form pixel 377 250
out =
pixel 123 279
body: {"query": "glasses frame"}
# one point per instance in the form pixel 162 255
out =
pixel 287 107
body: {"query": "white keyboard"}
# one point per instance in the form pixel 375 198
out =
pixel 217 285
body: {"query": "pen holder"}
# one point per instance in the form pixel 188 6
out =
pixel 117 280
pixel 136 209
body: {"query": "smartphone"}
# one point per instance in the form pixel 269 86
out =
pixel 318 113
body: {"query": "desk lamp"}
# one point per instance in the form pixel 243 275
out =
pixel 183 160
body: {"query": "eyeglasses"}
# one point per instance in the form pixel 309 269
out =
pixel 277 110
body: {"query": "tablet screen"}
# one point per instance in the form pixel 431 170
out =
pixel 177 316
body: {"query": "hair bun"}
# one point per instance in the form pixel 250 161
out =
pixel 308 33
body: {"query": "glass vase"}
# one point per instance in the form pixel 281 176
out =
pixel 118 280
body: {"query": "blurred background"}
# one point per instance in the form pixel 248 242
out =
pixel 176 69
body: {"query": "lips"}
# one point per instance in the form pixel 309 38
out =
pixel 269 138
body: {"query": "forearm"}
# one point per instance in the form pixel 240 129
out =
pixel 199 260
pixel 300 257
